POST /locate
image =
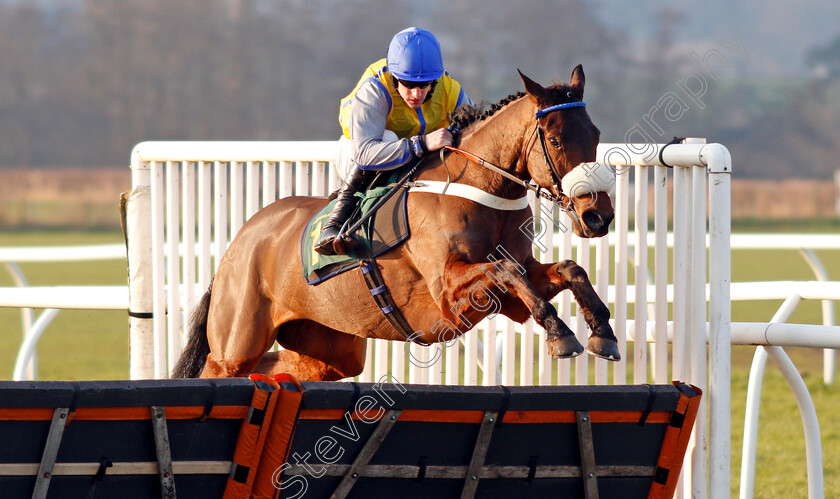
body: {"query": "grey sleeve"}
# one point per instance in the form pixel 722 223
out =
pixel 368 116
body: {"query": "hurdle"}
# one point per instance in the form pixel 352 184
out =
pixel 131 439
pixel 194 196
pixel 274 437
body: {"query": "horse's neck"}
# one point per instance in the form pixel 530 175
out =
pixel 500 141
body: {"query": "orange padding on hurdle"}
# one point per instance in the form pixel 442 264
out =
pixel 249 446
pixel 280 433
pixel 675 444
pixel 454 416
pixel 125 413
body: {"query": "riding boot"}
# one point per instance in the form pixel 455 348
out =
pixel 344 206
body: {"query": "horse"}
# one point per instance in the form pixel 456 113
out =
pixel 440 278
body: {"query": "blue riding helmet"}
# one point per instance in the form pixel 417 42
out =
pixel 414 55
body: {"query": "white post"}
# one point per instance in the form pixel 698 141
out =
pixel 205 215
pixel 681 273
pixel 697 329
pixel 220 225
pixel 140 294
pixel 602 284
pixel 252 189
pixel 622 191
pixel 173 267
pixel 660 270
pixel 188 237
pixel 237 197
pixel 581 330
pixel 490 358
pixel 641 271
pixel 564 368
pixel 159 268
pixel 269 183
pixel 720 317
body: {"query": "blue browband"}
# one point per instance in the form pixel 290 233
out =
pixel 567 105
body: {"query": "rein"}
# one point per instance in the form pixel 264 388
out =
pixel 490 166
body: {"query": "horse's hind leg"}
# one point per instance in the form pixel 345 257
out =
pixel 315 353
pixel 239 332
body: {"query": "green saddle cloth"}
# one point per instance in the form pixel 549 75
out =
pixel 384 230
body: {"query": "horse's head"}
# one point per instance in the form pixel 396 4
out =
pixel 569 141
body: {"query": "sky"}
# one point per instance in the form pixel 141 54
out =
pixel 776 33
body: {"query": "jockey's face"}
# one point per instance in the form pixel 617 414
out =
pixel 413 95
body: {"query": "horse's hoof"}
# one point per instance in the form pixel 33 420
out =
pixel 564 347
pixel 604 348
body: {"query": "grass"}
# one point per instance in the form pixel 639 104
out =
pixel 79 344
pixel 94 345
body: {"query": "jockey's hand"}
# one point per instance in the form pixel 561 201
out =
pixel 437 139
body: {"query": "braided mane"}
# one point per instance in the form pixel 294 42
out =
pixel 465 116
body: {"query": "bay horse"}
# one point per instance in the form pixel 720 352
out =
pixel 259 295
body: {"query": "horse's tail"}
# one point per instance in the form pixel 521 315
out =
pixel 194 354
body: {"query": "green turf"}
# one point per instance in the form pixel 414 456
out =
pixel 94 345
pixel 79 344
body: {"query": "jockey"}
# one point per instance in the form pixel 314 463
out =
pixel 398 111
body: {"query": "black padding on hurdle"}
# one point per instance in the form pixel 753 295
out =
pixel 527 446
pixel 142 393
pixel 120 441
pixel 323 395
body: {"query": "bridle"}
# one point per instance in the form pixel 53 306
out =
pixel 552 168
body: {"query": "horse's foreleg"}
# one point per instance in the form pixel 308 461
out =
pixel 505 277
pixel 550 279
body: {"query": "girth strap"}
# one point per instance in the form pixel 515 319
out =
pixel 382 296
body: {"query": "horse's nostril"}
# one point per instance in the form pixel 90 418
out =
pixel 593 220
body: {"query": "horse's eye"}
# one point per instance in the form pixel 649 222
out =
pixel 554 142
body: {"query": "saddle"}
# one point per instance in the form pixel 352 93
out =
pixel 385 229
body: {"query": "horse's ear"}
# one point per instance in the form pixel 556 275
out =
pixel 577 81
pixel 534 89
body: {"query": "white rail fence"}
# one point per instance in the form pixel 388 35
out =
pixel 52 299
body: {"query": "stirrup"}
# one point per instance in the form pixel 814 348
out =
pixel 343 243
pixel 324 245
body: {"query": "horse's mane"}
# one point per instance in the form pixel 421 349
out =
pixel 465 116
